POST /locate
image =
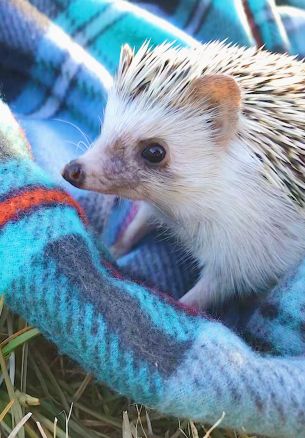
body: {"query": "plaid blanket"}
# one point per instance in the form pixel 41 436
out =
pixel 56 64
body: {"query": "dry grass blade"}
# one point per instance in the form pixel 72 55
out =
pixel 139 421
pixel 26 399
pixel 180 430
pixel 55 382
pixel 30 432
pixel 42 432
pixel 82 387
pixel 194 430
pixel 19 339
pixel 6 409
pixel 126 430
pixel 52 379
pixel 67 420
pixel 19 426
pixel 1 303
pixel 208 434
pixel 14 335
pixel 148 422
pixel 55 427
pixel 24 366
pixel 103 418
pixel 49 425
pixel 16 409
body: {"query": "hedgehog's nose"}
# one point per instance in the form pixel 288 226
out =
pixel 74 173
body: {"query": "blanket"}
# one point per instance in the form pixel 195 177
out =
pixel 56 64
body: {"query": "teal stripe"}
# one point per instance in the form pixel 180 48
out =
pixel 183 11
pixel 23 240
pixel 131 25
pixel 175 323
pixel 77 14
pixel 15 174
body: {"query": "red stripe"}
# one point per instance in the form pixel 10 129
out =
pixel 11 208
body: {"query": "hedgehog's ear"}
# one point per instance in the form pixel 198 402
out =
pixel 126 57
pixel 222 93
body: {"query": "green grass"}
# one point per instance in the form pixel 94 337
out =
pixel 53 397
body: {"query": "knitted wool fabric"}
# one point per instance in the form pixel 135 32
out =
pixel 55 59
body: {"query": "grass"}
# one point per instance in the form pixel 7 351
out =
pixel 45 395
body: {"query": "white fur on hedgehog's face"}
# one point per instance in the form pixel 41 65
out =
pixel 157 154
pixel 166 130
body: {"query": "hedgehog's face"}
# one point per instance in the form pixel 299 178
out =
pixel 157 152
pixel 141 153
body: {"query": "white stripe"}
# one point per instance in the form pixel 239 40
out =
pixel 99 23
pixel 76 57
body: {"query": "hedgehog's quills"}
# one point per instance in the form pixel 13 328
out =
pixel 212 138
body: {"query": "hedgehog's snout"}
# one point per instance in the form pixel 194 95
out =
pixel 74 173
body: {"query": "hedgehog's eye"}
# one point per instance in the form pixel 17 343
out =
pixel 154 153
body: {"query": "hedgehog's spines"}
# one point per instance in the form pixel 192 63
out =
pixel 273 98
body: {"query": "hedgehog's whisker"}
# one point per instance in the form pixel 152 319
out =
pixel 85 136
pixel 80 145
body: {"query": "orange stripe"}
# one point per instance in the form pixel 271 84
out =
pixel 21 202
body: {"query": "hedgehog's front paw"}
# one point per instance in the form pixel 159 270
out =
pixel 138 227
pixel 199 297
pixel 121 248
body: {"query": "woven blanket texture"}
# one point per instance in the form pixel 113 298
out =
pixel 57 58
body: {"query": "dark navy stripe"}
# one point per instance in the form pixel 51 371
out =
pixel 30 187
pixel 116 20
pixel 192 13
pixel 121 311
pixel 203 18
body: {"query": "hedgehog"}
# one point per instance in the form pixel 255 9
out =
pixel 210 141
